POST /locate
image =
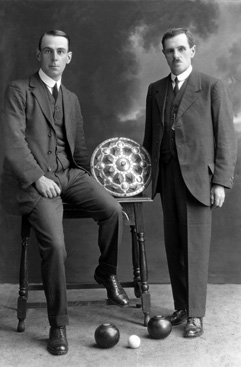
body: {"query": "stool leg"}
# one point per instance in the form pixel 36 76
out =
pixel 23 287
pixel 136 262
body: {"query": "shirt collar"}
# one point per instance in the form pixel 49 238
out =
pixel 47 80
pixel 183 76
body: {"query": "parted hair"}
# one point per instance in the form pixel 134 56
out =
pixel 54 32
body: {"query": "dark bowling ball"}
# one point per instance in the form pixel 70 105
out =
pixel 158 327
pixel 107 335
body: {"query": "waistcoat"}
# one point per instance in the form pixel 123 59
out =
pixel 61 151
pixel 168 144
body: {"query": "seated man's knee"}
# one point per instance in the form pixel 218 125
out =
pixel 116 207
pixel 113 209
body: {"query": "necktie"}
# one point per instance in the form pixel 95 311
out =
pixel 55 92
pixel 176 89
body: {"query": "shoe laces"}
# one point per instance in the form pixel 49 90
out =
pixel 59 332
pixel 116 282
pixel 195 321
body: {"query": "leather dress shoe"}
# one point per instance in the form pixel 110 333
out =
pixel 115 292
pixel 57 344
pixel 178 317
pixel 194 327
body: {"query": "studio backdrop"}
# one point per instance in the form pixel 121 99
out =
pixel 116 49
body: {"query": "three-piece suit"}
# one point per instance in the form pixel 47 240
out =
pixel 190 138
pixel 44 137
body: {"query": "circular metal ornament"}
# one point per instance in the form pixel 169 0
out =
pixel 122 166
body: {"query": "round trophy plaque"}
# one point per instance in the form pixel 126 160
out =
pixel 122 166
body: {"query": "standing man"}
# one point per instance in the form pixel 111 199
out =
pixel 190 137
pixel 46 164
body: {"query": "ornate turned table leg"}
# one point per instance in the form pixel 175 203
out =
pixel 145 296
pixel 136 262
pixel 133 216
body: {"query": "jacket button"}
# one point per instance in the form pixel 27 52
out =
pixel 50 151
pixel 49 134
pixel 49 169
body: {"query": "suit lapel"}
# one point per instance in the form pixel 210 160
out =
pixel 39 91
pixel 161 96
pixel 190 95
pixel 67 106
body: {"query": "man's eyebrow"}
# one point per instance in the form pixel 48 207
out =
pixel 173 48
pixel 51 48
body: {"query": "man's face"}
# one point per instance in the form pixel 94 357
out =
pixel 54 55
pixel 178 53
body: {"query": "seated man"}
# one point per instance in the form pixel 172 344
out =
pixel 46 164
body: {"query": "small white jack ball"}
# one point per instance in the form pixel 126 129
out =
pixel 134 341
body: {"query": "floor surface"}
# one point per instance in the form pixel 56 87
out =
pixel 219 346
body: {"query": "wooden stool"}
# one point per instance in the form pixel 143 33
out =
pixel 133 216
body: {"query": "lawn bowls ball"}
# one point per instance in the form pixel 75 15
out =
pixel 107 335
pixel 158 327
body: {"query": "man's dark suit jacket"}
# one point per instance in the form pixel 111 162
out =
pixel 30 137
pixel 204 134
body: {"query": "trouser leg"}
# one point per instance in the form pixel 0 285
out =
pixel 97 203
pixel 46 219
pixel 198 241
pixel 172 237
pixel 187 228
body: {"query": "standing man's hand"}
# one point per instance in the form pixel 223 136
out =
pixel 217 196
pixel 47 187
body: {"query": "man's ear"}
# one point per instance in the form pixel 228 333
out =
pixel 193 51
pixel 69 57
pixel 38 54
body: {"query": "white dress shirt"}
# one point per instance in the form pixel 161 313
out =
pixel 49 81
pixel 181 77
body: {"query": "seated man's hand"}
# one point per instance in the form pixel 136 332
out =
pixel 47 187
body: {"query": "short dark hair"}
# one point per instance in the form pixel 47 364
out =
pixel 56 33
pixel 172 32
